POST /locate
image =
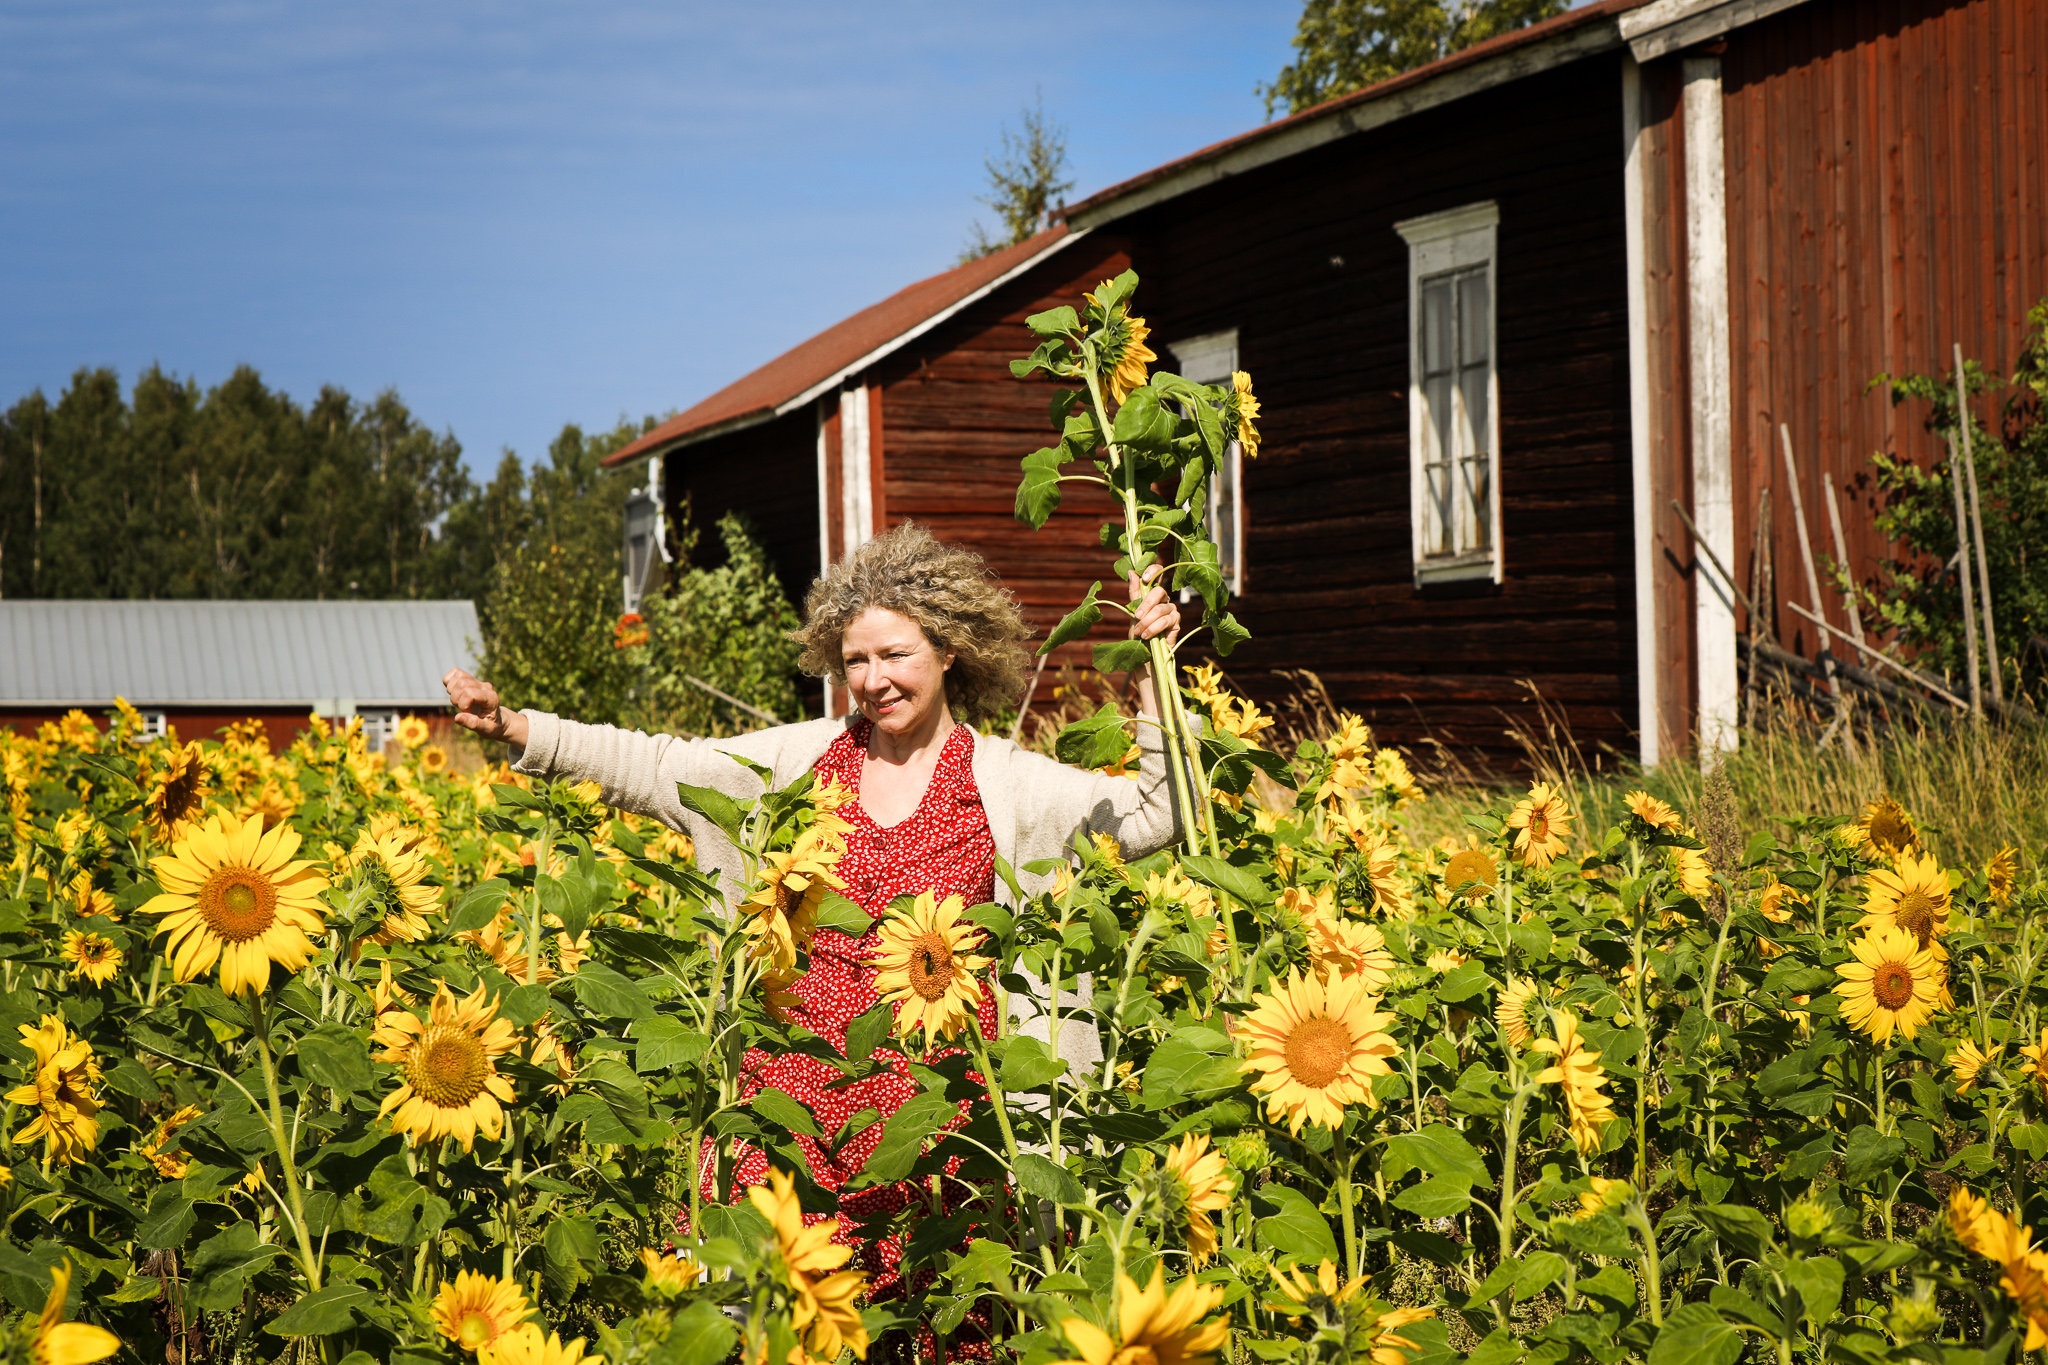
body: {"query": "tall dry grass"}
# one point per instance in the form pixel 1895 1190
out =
pixel 1973 787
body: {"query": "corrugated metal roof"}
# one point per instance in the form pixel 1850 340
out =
pixel 255 653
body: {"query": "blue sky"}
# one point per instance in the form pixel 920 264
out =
pixel 521 214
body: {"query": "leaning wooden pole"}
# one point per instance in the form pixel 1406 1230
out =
pixel 1827 656
pixel 1955 480
pixel 1977 531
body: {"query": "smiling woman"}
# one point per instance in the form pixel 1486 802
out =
pixel 925 643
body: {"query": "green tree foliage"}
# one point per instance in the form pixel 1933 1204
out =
pixel 554 581
pixel 233 492
pixel 1916 593
pixel 728 626
pixel 1346 45
pixel 1027 182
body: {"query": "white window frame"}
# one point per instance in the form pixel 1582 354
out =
pixel 155 725
pixel 1210 359
pixel 1457 240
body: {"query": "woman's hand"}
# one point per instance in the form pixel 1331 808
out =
pixel 477 709
pixel 1156 614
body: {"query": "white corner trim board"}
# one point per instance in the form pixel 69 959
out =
pixel 1649 711
pixel 856 470
pixel 1713 485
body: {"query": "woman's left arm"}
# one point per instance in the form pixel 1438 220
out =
pixel 1140 813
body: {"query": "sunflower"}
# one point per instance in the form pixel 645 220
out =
pixel 2001 874
pixel 391 865
pixel 170 1164
pixel 1174 888
pixel 1605 1194
pixel 1997 1238
pixel 1471 873
pixel 1247 410
pixel 474 1310
pixel 925 970
pixel 527 1344
pixel 1316 1046
pixel 1388 1346
pixel 173 791
pixel 1967 1061
pixel 822 1311
pixel 1912 896
pixel 1445 960
pixel 1894 983
pixel 58 1342
pixel 1689 869
pixel 1578 1070
pixel 1109 850
pixel 449 1086
pixel 1651 811
pixel 271 804
pixel 1201 1182
pixel 777 994
pixel 1539 821
pixel 668 1274
pixel 1966 1215
pixel 91 956
pixel 1391 771
pixel 1349 949
pixel 2033 1066
pixel 1123 347
pixel 412 732
pixel 1380 857
pixel 1511 1015
pixel 232 895
pixel 1153 1326
pixel 783 914
pixel 1885 827
pixel 1327 1283
pixel 61 1089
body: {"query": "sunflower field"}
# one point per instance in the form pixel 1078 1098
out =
pixel 343 1055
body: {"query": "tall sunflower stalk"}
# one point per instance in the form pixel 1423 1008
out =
pixel 1164 432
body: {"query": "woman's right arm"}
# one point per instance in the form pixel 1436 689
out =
pixel 635 772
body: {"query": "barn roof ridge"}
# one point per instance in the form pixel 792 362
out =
pixel 813 366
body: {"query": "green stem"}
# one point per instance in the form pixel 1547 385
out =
pixel 1512 1132
pixel 1351 1245
pixel 311 1260
pixel 1000 1103
pixel 1653 1268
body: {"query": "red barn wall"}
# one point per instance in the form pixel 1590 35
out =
pixel 1302 258
pixel 1887 192
pixel 953 425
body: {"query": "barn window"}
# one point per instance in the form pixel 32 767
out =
pixel 1209 359
pixel 1453 408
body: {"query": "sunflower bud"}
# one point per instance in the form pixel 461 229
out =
pixel 1913 1319
pixel 1248 1152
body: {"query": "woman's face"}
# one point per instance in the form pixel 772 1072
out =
pixel 897 676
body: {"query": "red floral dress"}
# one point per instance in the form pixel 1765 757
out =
pixel 943 847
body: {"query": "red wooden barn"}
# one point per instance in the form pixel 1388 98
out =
pixel 1501 311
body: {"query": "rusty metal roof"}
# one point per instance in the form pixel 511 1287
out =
pixel 804 372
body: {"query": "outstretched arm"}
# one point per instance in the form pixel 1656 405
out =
pixel 477 708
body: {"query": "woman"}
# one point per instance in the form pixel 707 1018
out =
pixel 925 645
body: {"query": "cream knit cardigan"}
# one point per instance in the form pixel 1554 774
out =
pixel 1035 806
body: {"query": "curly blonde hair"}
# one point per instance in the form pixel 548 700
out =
pixel 948 592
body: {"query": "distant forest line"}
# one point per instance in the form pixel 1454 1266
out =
pixel 239 491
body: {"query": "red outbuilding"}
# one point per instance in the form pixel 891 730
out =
pixel 1501 311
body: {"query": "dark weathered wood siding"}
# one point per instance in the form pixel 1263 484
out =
pixel 1302 258
pixel 956 424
